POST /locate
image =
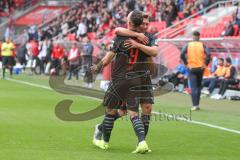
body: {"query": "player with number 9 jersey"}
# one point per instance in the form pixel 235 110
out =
pixel 129 72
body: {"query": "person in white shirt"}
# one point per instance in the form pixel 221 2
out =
pixel 64 28
pixel 73 58
pixel 82 29
pixel 43 48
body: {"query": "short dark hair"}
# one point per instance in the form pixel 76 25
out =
pixel 221 59
pixel 229 60
pixel 136 18
pixel 196 33
pixel 145 15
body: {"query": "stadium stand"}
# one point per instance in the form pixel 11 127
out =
pixel 163 14
pixel 174 21
pixel 9 7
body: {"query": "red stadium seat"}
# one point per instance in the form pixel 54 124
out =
pixel 91 35
pixel 181 15
pixel 159 25
pixel 235 30
pixel 3 14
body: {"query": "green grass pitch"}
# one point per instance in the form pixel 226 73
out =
pixel 29 129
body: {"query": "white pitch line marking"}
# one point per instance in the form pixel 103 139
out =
pixel 154 112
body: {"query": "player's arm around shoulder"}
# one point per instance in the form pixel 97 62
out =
pixel 129 33
pixel 149 50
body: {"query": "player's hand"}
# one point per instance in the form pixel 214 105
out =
pixel 130 43
pixel 94 68
pixel 142 38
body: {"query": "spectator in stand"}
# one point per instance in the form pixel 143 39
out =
pixel 8 6
pixel 140 5
pixel 32 32
pixel 130 4
pixel 40 35
pixel 64 28
pixel 103 17
pixel 162 9
pixel 230 78
pixel 19 3
pixel 229 29
pixel 29 49
pixel 71 18
pixel 73 59
pixel 49 30
pixel 57 56
pixel 24 38
pixel 105 24
pixel 193 10
pixel 43 50
pixel 22 55
pixel 87 54
pixel 180 5
pixel 48 56
pixel 187 9
pixel 74 27
pixel 205 3
pixel 186 12
pixel 119 16
pixel 11 5
pixel 82 29
pixel 238 15
pixel 9 32
pixel 34 55
pixel 53 30
pixel 2 6
pixel 172 13
pixel 158 14
pixel 7 52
